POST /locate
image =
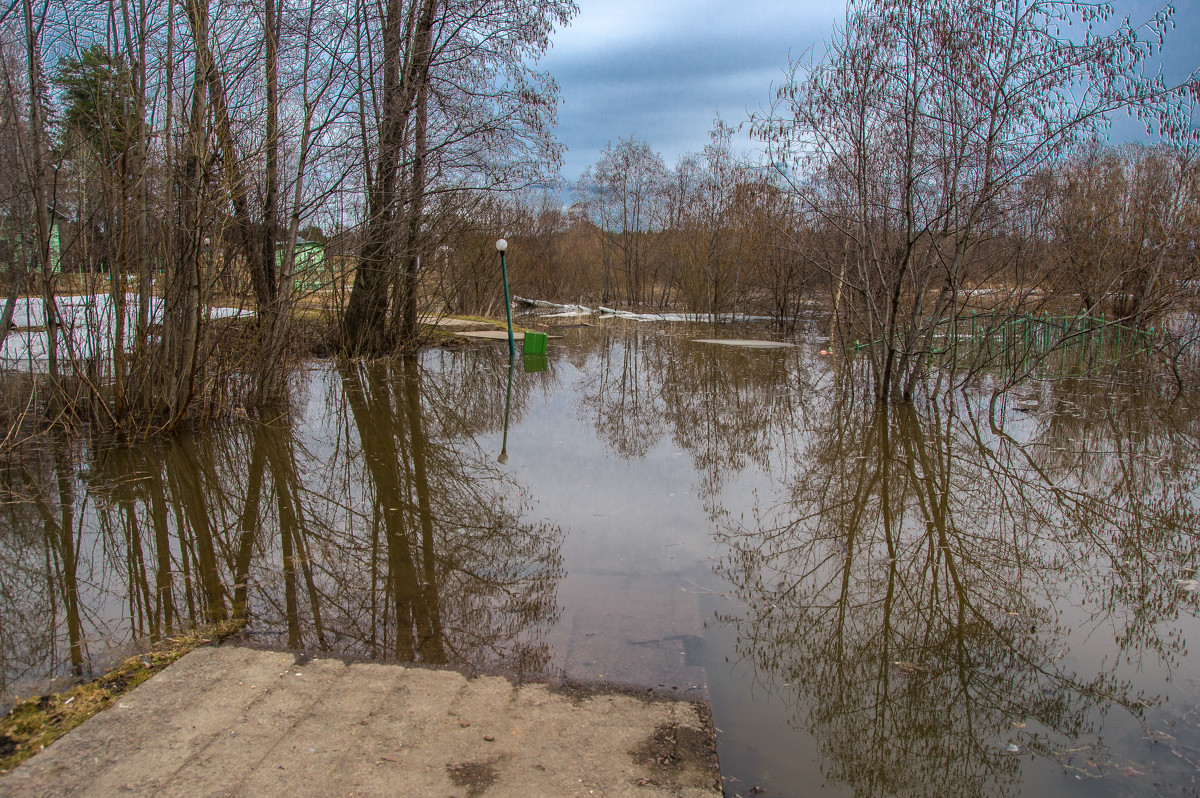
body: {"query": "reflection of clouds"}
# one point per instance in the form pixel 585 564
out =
pixel 917 592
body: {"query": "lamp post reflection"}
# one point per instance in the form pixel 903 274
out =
pixel 503 458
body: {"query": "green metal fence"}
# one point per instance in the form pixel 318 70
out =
pixel 1069 342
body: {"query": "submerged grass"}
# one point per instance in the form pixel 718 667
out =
pixel 499 324
pixel 34 723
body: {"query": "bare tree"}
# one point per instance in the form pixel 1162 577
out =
pixel 914 134
pixel 12 194
pixel 1121 227
pixel 193 142
pixel 459 108
pixel 708 241
pixel 624 195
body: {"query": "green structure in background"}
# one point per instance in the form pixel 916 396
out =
pixel 11 245
pixel 312 270
pixel 1078 342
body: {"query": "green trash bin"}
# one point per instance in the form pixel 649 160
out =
pixel 534 343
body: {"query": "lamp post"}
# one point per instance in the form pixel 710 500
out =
pixel 502 245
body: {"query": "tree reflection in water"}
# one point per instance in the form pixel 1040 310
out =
pixel 373 527
pixel 620 390
pixel 936 582
pixel 42 620
pixel 728 407
pixel 914 597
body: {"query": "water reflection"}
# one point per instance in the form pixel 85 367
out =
pixel 915 598
pixel 503 456
pixel 619 393
pixel 733 409
pixel 39 560
pixel 374 527
pixel 728 408
pixel 967 597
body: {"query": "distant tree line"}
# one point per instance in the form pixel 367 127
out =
pixel 713 235
pixel 1101 230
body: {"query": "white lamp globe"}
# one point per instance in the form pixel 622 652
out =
pixel 502 245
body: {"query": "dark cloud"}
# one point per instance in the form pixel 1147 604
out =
pixel 662 71
pixel 667 86
pixel 657 98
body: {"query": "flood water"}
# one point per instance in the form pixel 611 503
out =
pixel 961 597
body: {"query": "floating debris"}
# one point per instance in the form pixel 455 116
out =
pixel 556 310
pixel 550 310
pixel 909 667
pixel 750 344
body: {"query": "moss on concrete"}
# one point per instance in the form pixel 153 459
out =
pixel 34 723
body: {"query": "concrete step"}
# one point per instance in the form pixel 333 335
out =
pixel 232 720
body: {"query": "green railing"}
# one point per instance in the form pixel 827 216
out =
pixel 1016 338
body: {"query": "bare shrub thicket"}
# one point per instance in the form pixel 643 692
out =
pixel 913 139
pixel 163 164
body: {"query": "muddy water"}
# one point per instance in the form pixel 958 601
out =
pixel 965 597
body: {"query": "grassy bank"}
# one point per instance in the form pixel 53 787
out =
pixel 34 723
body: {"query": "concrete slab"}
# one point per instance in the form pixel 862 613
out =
pixel 231 720
pixel 494 335
pixel 450 323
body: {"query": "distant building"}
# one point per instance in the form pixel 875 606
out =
pixel 11 244
pixel 312 271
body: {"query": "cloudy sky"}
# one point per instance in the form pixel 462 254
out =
pixel 662 69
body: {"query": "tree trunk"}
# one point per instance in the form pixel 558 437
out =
pixel 181 312
pixel 405 314
pixel 365 324
pixel 10 303
pixel 272 316
pixel 37 178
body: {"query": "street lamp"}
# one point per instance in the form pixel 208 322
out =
pixel 502 245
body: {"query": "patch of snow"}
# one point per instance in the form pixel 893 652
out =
pixel 87 327
pixel 557 311
pixel 695 317
pixel 749 344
